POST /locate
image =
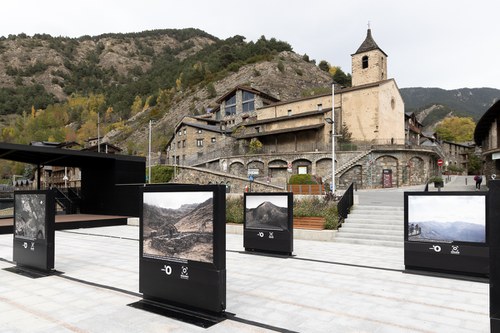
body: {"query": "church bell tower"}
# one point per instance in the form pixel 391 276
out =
pixel 369 63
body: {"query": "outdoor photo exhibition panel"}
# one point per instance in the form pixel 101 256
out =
pixel 494 240
pixel 34 219
pixel 268 222
pixel 183 246
pixel 446 232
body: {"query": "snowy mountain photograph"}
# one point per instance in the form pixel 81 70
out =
pixel 447 218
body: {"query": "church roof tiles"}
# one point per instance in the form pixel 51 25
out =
pixel 369 44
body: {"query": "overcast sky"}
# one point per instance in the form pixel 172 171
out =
pixel 447 208
pixel 430 43
pixel 175 200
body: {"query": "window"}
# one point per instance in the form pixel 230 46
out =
pixel 178 144
pixel 289 112
pixel 364 62
pixel 248 101
pixel 184 131
pixel 179 133
pixel 320 107
pixel 199 142
pixel 230 107
pixel 199 131
pixel 302 170
pixel 213 140
pixel 183 143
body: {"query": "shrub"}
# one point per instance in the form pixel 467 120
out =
pixel 311 207
pixel 302 179
pixel 255 146
pixel 281 67
pixel 161 173
pixel 307 207
pixel 234 210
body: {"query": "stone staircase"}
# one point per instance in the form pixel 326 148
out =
pixel 351 162
pixel 373 225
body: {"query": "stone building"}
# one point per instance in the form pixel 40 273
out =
pixel 456 155
pixel 251 132
pixel 486 135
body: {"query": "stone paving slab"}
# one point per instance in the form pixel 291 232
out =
pixel 324 287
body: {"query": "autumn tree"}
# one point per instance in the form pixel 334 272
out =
pixel 456 129
pixel 340 76
pixel 324 65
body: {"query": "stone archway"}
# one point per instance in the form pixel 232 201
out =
pixel 416 171
pixel 353 174
pixel 257 167
pixel 237 169
pixel 324 169
pixel 277 171
pixel 386 162
pixel 302 166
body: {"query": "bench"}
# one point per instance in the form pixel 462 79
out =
pixel 312 223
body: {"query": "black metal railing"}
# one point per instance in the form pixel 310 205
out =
pixel 345 203
pixel 69 199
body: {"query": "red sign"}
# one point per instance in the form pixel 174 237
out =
pixel 440 162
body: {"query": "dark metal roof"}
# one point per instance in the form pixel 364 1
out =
pixel 483 125
pixel 369 44
pixel 249 89
pixel 58 157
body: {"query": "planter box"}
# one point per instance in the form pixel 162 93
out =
pixel 313 189
pixel 438 184
pixel 312 223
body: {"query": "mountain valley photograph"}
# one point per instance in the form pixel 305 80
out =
pixel 178 226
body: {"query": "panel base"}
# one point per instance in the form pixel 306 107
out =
pixel 447 275
pixel 495 325
pixel 275 254
pixel 198 318
pixel 31 272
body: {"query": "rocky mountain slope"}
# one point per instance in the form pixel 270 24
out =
pixel 433 104
pixel 188 68
pixel 296 77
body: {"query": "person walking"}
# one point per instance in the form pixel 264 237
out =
pixel 478 180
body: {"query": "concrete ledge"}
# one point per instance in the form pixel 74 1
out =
pixel 317 235
pixel 133 221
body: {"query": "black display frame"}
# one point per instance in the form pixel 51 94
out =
pixel 183 283
pixel 459 258
pixel 32 252
pixel 494 234
pixel 270 240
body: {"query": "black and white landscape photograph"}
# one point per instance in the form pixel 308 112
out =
pixel 447 218
pixel 266 212
pixel 178 226
pixel 30 216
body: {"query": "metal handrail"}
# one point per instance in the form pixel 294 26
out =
pixel 345 203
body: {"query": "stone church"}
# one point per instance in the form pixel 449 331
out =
pixel 253 133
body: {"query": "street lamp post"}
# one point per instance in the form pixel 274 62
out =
pixel 332 122
pixel 149 153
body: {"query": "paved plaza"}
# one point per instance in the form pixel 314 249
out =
pixel 324 287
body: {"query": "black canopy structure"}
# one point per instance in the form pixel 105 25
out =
pixel 109 181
